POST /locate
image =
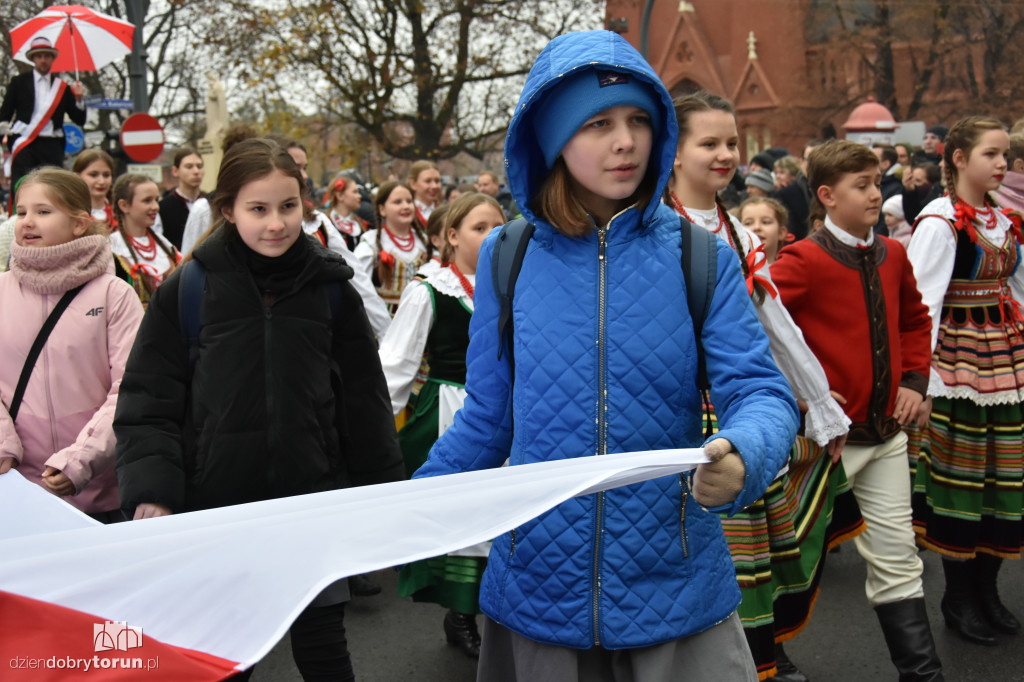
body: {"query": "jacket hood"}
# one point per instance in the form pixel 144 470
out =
pixel 566 55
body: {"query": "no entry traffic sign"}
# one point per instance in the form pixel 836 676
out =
pixel 142 138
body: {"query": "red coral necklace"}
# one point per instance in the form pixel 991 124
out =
pixel 681 210
pixel 406 243
pixel 467 286
pixel 148 250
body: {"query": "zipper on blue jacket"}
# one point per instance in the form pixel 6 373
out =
pixel 602 423
pixel 682 515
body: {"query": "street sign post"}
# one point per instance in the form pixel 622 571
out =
pixel 101 103
pixel 150 170
pixel 142 138
pixel 74 139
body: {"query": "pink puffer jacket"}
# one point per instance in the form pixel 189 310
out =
pixel 65 419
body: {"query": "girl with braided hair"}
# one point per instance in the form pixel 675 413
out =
pixel 393 252
pixel 774 551
pixel 344 200
pixel 967 495
pixel 142 257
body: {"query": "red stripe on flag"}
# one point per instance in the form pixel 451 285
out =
pixel 43 642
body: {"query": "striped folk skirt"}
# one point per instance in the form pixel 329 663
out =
pixel 779 544
pixel 968 492
pixel 968 495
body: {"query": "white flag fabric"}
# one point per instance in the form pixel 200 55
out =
pixel 229 582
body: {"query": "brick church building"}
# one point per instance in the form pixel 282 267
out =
pixel 795 69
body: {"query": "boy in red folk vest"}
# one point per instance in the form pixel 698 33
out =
pixel 854 296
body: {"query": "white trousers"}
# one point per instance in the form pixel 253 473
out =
pixel 880 480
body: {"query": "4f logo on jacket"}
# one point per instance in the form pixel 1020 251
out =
pixel 95 312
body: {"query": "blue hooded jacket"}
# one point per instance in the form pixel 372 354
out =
pixel 605 362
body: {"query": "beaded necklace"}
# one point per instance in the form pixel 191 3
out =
pixel 467 286
pixel 406 243
pixel 681 210
pixel 148 250
pixel 965 215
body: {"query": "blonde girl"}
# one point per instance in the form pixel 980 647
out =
pixel 425 182
pixel 786 171
pixel 143 257
pixel 967 493
pixel 767 218
pixel 434 321
pixel 59 434
pixel 393 252
pixel 96 167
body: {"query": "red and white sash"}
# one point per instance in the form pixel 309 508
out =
pixel 54 96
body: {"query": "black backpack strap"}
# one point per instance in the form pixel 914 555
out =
pixel 506 262
pixel 700 272
pixel 191 285
pixel 37 348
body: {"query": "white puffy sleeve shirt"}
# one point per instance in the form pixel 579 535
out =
pixel 825 418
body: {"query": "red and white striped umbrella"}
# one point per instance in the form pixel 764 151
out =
pixel 85 39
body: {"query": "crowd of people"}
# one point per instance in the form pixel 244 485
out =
pixel 843 332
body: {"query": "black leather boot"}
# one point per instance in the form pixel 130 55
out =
pixel 787 672
pixel 959 606
pixel 911 648
pixel 986 577
pixel 460 629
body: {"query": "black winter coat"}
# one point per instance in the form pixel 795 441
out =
pixel 283 399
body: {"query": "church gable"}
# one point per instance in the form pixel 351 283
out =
pixel 753 90
pixel 688 55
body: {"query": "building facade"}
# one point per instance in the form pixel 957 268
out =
pixel 795 69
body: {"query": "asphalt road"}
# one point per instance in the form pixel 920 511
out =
pixel 394 640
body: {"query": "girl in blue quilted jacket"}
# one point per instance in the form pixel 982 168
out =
pixel 636 582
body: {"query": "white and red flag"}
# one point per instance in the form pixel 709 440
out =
pixel 198 596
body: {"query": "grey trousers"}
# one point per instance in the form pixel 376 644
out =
pixel 719 654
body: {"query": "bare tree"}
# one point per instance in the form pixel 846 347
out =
pixel 425 80
pixel 961 56
pixel 172 31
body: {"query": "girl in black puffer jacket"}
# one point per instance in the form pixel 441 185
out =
pixel 282 393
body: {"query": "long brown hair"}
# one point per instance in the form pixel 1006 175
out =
pixel 384 271
pixel 436 226
pixel 244 162
pixel 684 107
pixel 964 136
pixel 87 158
pixel 69 192
pixel 124 190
